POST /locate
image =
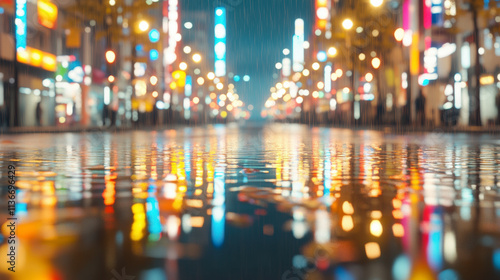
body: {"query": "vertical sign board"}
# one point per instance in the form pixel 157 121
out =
pixel 188 87
pixel 298 46
pixel 21 24
pixel 327 77
pixel 220 41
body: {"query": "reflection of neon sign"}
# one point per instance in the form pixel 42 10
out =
pixel 21 24
pixel 218 212
pixel 220 42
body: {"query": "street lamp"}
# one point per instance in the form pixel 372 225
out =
pixel 153 80
pixel 376 3
pixel 399 34
pixel 376 62
pixel 110 56
pixel 332 51
pixel 196 57
pixel 347 24
pixel 143 25
pixel 369 77
pixel 183 66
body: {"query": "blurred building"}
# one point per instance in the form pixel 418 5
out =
pixel 37 42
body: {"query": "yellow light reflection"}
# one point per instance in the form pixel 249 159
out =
pixel 347 223
pixel 398 230
pixel 347 208
pixel 139 223
pixel 376 214
pixel 372 250
pixel 376 228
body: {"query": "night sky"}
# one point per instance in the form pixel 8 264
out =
pixel 257 32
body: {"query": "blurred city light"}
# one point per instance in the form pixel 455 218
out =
pixel 154 35
pixel 110 56
pixel 376 62
pixel 183 66
pixel 321 56
pixel 376 3
pixel 399 34
pixel 220 41
pixel 143 25
pixel 332 51
pixel 347 24
pixel 196 57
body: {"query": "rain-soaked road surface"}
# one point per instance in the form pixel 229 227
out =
pixel 278 202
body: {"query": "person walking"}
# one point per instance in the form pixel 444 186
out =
pixel 420 106
pixel 38 113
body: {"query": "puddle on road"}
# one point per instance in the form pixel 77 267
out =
pixel 279 202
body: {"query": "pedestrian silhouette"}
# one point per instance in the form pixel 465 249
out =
pixel 38 113
pixel 420 106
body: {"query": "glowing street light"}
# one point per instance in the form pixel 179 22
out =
pixel 153 80
pixel 315 66
pixel 196 57
pixel 376 3
pixel 347 24
pixel 110 56
pixel 332 51
pixel 376 62
pixel 369 77
pixel 143 25
pixel 200 81
pixel 183 66
pixel 399 34
pixel 210 75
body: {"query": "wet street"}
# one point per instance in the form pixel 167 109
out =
pixel 271 202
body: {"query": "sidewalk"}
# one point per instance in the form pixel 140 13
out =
pixel 53 129
pixel 384 128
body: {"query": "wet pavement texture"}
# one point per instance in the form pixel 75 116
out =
pixel 271 202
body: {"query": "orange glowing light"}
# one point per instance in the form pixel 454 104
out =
pixel 110 56
pixel 372 250
pixel 37 58
pixel 398 230
pixel 347 223
pixel 47 13
pixel 197 222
